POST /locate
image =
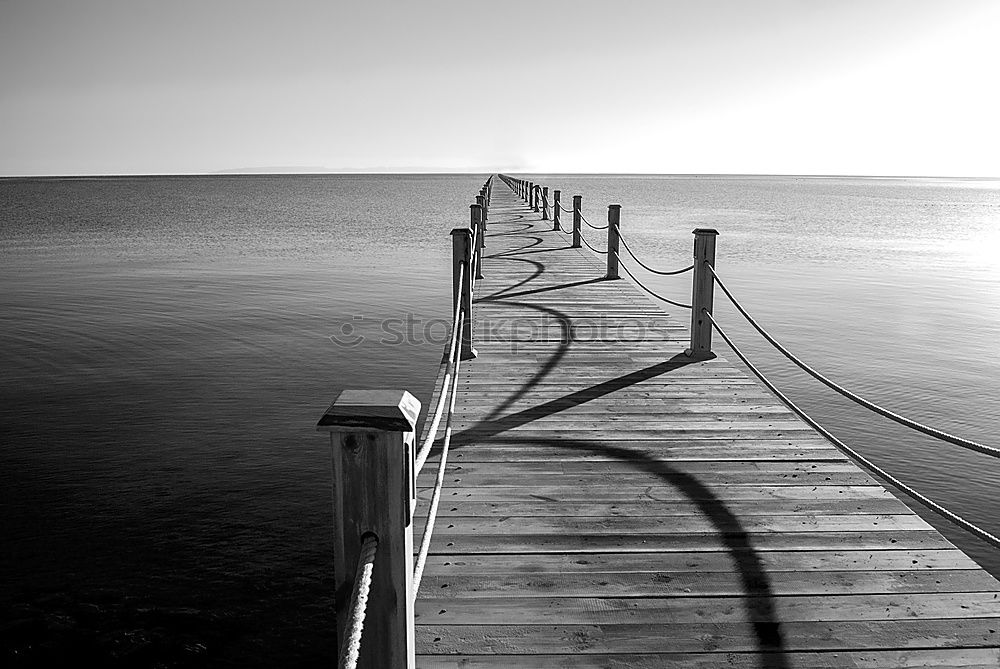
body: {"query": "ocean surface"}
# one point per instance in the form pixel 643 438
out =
pixel 168 343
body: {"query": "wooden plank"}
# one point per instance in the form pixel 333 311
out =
pixel 719 493
pixel 589 610
pixel 693 637
pixel 648 526
pixel 646 450
pixel 665 423
pixel 967 658
pixel 638 412
pixel 699 562
pixel 690 584
pixel 640 479
pixel 679 397
pixel 522 470
pixel 709 541
pixel 649 508
pixel 609 503
pixel 608 452
pixel 514 428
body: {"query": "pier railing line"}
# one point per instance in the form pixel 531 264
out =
pixel 850 452
pixel 703 322
pixel 854 397
pixel 375 462
pixel 614 233
pixel 375 467
pixel 425 542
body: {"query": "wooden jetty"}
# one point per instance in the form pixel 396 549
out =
pixel 611 501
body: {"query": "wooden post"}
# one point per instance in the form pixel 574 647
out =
pixel 702 293
pixel 577 214
pixel 478 232
pixel 614 213
pixel 556 195
pixel 374 492
pixel 481 230
pixel 461 246
pixel 535 197
pixel 531 194
pixel 545 203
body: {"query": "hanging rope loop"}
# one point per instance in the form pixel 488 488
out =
pixel 854 397
pixel 850 452
pixel 595 227
pixel 646 267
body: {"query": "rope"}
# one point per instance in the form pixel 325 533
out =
pixel 568 211
pixel 591 247
pixel 431 434
pixel 595 227
pixel 850 452
pixel 359 602
pixel 640 284
pixel 902 420
pixel 647 267
pixel 425 540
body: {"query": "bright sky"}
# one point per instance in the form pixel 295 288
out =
pixel 885 87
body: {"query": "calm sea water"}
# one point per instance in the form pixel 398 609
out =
pixel 167 345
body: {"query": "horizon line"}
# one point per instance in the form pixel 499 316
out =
pixel 456 172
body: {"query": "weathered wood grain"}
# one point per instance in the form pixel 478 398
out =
pixel 958 656
pixel 512 610
pixel 697 563
pixel 609 502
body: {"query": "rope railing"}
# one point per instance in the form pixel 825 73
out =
pixel 359 602
pixel 589 246
pixel 882 411
pixel 375 495
pixel 390 417
pixel 431 434
pixel 649 290
pixel 850 452
pixel 425 541
pixel 595 227
pixel 646 267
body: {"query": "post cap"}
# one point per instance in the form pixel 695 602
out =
pixel 705 231
pixel 388 410
pixel 463 231
pixel 614 206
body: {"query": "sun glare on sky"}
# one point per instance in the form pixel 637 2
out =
pixel 879 87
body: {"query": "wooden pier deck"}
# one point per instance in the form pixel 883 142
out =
pixel 610 503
